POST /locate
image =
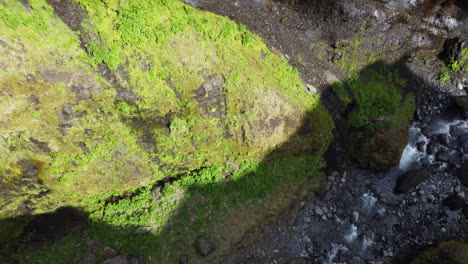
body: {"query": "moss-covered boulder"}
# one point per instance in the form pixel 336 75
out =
pixel 379 117
pixel 449 252
pixel 119 94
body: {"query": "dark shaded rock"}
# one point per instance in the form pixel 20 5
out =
pixel 204 247
pixel 454 202
pixel 463 174
pixel 462 101
pixel 431 148
pixel 426 131
pixel 420 146
pixel 409 180
pixel 117 260
pixel 184 260
pixel 446 155
pixel 109 253
pixel 465 212
pixel 452 50
pixel 444 139
pixel 297 261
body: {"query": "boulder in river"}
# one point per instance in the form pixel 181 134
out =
pixel 409 180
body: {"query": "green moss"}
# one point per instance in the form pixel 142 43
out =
pixel 449 252
pixel 444 77
pixel 341 92
pixel 187 208
pixel 377 96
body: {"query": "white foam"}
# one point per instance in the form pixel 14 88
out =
pixel 351 235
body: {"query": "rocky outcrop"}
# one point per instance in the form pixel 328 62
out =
pixel 111 108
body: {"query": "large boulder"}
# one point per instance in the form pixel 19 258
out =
pixel 380 117
pixel 138 93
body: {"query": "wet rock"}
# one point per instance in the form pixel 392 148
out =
pixel 297 261
pixel 204 247
pixel 444 139
pixel 431 148
pixel 454 203
pixel 426 131
pixel 117 260
pixel 463 174
pixel 109 253
pixel 409 180
pixel 420 146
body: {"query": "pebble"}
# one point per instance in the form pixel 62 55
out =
pixel 318 211
pixel 307 239
pixel 307 220
pixel 355 216
pixel 276 251
pixel 431 197
pixel 343 180
pixel 325 210
pixel 461 194
pixel 424 198
pixel 444 229
pixel 458 188
pixel 324 218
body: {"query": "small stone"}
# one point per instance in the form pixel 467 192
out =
pixel 143 230
pixel 318 211
pixel 109 253
pixel 424 198
pixel 204 247
pixel 325 210
pixel 117 260
pixel 311 89
pixel 458 188
pixel 461 194
pixel 324 218
pixel 307 220
pixel 307 239
pixel 431 197
pixel 343 180
pixel 443 229
pixel 276 251
pixel 91 242
pixel 355 216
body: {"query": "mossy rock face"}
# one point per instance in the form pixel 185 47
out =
pixel 449 252
pixel 380 117
pixel 143 91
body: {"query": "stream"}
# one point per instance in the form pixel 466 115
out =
pixel 361 220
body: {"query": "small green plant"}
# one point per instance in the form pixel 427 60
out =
pixel 444 77
pixel 454 66
pixel 122 107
